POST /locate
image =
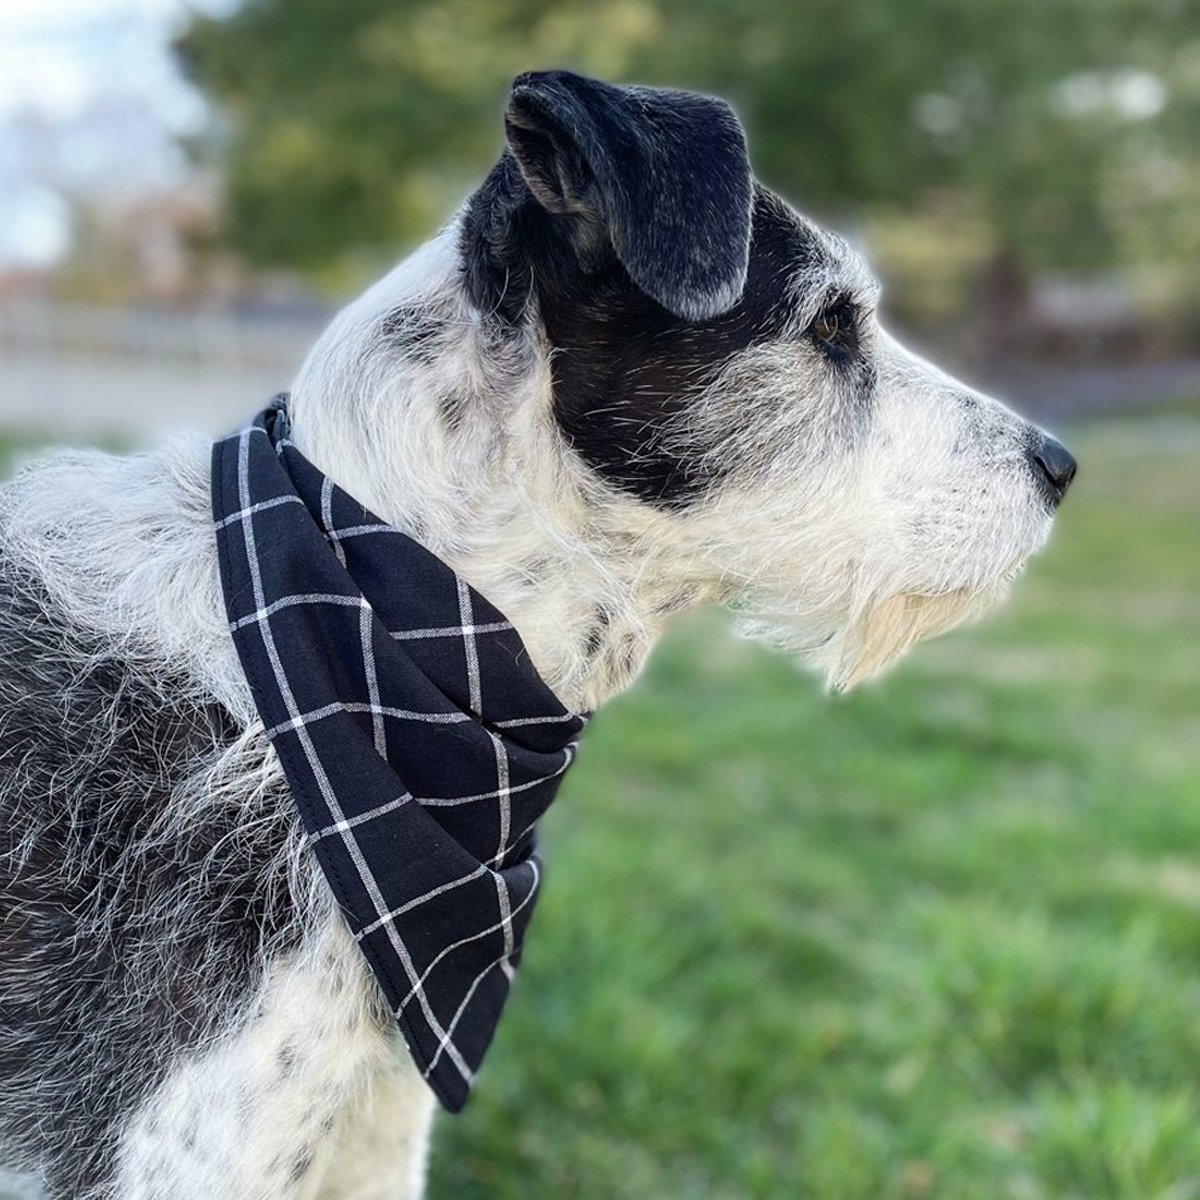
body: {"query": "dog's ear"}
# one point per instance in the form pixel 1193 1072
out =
pixel 663 173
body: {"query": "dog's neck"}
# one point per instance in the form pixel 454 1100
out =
pixel 445 429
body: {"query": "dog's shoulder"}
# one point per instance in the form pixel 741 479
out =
pixel 104 572
pixel 72 699
pixel 121 550
pixel 145 838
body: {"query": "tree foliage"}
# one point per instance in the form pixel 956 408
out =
pixel 1068 126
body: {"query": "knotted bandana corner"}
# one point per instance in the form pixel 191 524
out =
pixel 418 740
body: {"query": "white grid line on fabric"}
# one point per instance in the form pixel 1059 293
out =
pixel 505 920
pixel 516 722
pixel 502 789
pixel 336 535
pixel 454 717
pixel 445 1043
pixel 394 804
pixel 467 617
pixel 314 762
pixel 505 915
pixel 353 531
pixel 402 635
pixel 327 519
pixel 360 819
pixel 400 714
pixel 569 757
pixel 368 650
pixel 269 610
pixel 494 794
pixel 243 513
pixel 441 889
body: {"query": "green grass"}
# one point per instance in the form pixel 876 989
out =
pixel 936 939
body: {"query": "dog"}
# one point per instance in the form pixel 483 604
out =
pixel 625 381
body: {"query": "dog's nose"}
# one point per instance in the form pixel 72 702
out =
pixel 1054 464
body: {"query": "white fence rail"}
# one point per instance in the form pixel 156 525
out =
pixel 75 372
pixel 223 338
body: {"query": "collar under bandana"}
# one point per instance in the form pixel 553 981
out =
pixel 418 740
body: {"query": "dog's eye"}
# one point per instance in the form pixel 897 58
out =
pixel 827 326
pixel 835 328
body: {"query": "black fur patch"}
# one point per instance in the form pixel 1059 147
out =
pixel 624 366
pixel 92 1008
pixel 503 233
pixel 414 332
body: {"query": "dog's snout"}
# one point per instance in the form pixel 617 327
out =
pixel 1054 465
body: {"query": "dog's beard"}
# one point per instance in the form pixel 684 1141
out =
pixel 876 638
pixel 848 648
pixel 872 611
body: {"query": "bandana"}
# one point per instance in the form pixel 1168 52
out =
pixel 420 744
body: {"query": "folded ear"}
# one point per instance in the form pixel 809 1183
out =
pixel 665 173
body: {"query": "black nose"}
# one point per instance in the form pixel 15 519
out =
pixel 1054 465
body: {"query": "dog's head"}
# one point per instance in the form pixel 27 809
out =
pixel 717 375
pixel 718 357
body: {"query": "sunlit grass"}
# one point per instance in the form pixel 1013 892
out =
pixel 939 938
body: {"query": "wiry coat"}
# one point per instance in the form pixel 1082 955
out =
pixel 625 381
pixel 161 914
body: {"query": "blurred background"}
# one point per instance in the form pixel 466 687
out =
pixel 939 938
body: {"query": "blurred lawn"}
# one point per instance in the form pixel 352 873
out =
pixel 939 938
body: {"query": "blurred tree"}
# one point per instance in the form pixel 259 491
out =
pixel 347 127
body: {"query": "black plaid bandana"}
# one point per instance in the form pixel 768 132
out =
pixel 419 742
